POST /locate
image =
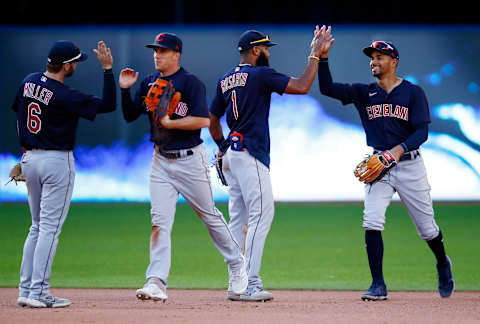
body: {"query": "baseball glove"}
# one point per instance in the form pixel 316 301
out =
pixel 16 173
pixel 375 167
pixel 218 166
pixel 154 96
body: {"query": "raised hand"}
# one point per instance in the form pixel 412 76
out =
pixel 127 78
pixel 104 55
pixel 315 43
pixel 326 41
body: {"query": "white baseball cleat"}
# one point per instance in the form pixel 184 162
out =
pixel 232 296
pixel 238 277
pixel 48 302
pixel 153 290
pixel 22 301
pixel 256 294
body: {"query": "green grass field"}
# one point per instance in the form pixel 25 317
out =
pixel 310 246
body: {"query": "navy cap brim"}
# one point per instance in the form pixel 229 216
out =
pixel 269 44
pixel 158 45
pixel 369 50
pixel 154 45
pixel 83 57
pixel 79 58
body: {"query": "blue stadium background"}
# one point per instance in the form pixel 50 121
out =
pixel 310 134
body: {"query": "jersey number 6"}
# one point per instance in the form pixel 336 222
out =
pixel 234 104
pixel 34 124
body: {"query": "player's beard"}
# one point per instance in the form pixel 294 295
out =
pixel 70 71
pixel 262 60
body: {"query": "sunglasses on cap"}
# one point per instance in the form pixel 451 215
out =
pixel 382 45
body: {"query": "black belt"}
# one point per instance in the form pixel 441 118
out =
pixel 173 154
pixel 406 156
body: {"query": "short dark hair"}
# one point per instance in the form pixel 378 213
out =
pixel 245 52
pixel 54 68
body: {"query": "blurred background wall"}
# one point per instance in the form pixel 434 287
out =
pixel 311 135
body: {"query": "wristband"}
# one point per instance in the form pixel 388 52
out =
pixel 314 57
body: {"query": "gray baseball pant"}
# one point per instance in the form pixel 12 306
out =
pixel 50 176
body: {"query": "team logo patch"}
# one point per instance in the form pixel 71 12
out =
pixel 160 38
pixel 181 109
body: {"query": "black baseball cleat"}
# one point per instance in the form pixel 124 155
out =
pixel 375 292
pixel 445 279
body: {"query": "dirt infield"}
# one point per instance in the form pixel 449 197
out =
pixel 211 306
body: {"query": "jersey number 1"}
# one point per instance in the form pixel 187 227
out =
pixel 34 124
pixel 234 104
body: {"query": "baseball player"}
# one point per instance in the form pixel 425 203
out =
pixel 395 117
pixel 48 113
pixel 243 95
pixel 179 165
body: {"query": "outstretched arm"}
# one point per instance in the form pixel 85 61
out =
pixel 109 100
pixel 127 79
pixel 302 84
pixel 343 92
pixel 324 77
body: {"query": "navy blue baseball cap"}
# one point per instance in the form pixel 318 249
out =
pixel 167 40
pixel 65 51
pixel 252 38
pixel 383 47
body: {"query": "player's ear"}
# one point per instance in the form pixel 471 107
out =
pixel 177 56
pixel 395 63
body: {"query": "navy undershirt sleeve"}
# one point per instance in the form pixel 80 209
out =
pixel 88 106
pixel 418 137
pixel 331 89
pixel 133 109
pixel 130 113
pixel 109 100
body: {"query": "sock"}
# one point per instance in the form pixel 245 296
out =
pixel 436 245
pixel 374 245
